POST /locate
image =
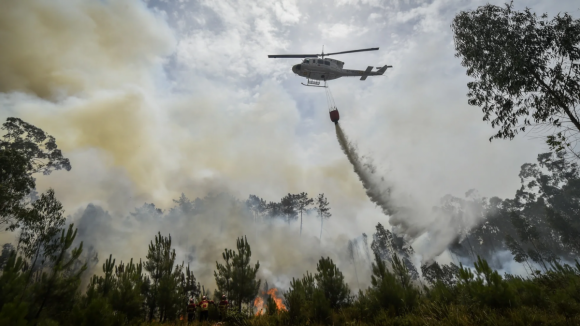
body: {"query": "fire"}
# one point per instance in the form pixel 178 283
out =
pixel 259 304
pixel 272 292
pixel 259 301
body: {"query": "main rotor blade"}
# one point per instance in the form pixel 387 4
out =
pixel 293 55
pixel 362 50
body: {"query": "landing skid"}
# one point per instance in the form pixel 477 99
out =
pixel 314 83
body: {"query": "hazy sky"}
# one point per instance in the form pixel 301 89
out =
pixel 153 99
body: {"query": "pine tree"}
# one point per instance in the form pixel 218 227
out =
pixel 271 306
pixel 391 290
pixel 57 288
pixel 257 207
pixel 446 274
pixel 323 210
pixel 159 265
pixel 13 279
pixel 302 204
pixel 289 205
pixel 126 297
pixel 224 274
pixel 274 210
pixel 386 245
pixel 330 281
pixel 236 277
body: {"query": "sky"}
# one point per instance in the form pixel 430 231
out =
pixel 152 99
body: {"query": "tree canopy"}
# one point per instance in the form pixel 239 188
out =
pixel 237 278
pixel 526 70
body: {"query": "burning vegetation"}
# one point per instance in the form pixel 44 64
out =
pixel 273 302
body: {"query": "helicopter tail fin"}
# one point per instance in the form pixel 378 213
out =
pixel 383 69
pixel 366 73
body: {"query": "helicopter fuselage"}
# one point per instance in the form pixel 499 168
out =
pixel 329 69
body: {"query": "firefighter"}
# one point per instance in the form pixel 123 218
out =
pixel 190 311
pixel 204 306
pixel 223 307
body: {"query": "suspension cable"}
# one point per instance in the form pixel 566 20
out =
pixel 330 100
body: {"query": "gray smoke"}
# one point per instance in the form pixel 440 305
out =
pixel 202 228
pixel 429 230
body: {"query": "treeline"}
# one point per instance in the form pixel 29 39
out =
pixel 41 274
pixel 539 226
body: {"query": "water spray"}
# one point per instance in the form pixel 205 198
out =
pixel 377 192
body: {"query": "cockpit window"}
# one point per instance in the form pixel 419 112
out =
pixel 327 63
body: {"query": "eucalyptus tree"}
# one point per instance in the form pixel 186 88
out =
pixel 24 151
pixel 526 70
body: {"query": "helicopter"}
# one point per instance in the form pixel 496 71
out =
pixel 316 68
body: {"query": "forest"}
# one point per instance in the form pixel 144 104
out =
pixel 53 275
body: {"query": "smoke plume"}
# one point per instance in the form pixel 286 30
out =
pixel 407 216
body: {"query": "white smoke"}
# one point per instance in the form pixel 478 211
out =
pixel 214 223
pixel 410 218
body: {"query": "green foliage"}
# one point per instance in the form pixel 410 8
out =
pixel 524 68
pixel 289 205
pixel 236 278
pixel 98 312
pixel 168 289
pixel 15 184
pixel 330 281
pixel 271 306
pixel 40 283
pixel 14 314
pixel 389 291
pixel 299 297
pixel 13 279
pixel 238 317
pixel 387 245
pixel 446 274
pixel 126 298
pixel 486 286
pixel 40 227
pixel 539 226
pixel 24 150
pixel 39 148
pixel 57 288
pixel 315 296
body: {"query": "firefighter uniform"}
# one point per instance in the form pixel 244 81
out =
pixel 223 307
pixel 190 311
pixel 204 307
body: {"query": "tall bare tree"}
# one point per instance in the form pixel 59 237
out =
pixel 323 210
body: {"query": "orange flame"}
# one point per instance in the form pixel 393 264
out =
pixel 259 304
pixel 272 292
pixel 259 301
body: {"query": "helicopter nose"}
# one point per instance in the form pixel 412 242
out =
pixel 296 69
